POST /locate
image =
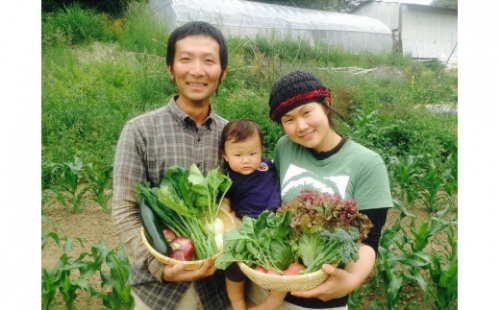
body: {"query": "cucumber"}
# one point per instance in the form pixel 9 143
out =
pixel 153 228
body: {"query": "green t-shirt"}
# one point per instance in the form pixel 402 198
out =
pixel 354 172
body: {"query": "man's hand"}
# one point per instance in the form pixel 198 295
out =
pixel 177 273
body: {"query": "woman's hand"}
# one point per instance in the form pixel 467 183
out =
pixel 177 273
pixel 338 284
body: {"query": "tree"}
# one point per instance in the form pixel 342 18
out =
pixel 450 4
pixel 109 6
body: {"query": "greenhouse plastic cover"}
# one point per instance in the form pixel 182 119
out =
pixel 248 19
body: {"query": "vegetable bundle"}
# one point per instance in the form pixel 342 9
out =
pixel 312 229
pixel 187 203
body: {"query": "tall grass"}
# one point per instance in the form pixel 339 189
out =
pixel 75 25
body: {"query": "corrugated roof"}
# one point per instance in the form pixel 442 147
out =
pixel 270 16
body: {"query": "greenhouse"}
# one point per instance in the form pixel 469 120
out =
pixel 238 18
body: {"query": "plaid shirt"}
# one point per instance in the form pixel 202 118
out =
pixel 148 145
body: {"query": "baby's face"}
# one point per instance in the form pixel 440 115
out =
pixel 244 157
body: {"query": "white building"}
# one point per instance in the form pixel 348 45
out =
pixel 239 18
pixel 422 31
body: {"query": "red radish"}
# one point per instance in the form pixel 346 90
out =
pixel 293 269
pixel 273 272
pixel 169 234
pixel 182 248
pixel 261 269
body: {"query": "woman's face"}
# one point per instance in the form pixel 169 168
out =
pixel 308 126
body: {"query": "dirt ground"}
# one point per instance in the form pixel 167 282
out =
pixel 92 225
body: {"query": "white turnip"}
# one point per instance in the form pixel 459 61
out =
pixel 217 226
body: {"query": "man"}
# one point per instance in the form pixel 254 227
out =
pixel 183 132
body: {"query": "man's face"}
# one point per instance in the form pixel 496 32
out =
pixel 196 68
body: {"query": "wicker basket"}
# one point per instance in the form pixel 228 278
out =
pixel 228 221
pixel 284 283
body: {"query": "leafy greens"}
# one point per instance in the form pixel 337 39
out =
pixel 314 228
pixel 186 200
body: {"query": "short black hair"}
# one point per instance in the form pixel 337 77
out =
pixel 197 28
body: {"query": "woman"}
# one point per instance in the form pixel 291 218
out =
pixel 312 155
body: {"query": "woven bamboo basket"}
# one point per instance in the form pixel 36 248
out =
pixel 228 221
pixel 285 283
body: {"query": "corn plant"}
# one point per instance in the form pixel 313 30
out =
pixel 70 191
pixel 359 293
pixel 404 174
pixel 433 181
pixel 52 234
pixel 451 185
pixel 119 269
pixel 403 260
pixel 60 278
pixel 70 276
pixel 98 183
pixel 387 273
pixel 443 271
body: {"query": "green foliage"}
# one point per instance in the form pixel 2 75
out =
pixel 74 25
pixel 112 7
pixel 70 275
pixel 142 34
pixel 59 279
pixel 51 234
pixel 71 189
pixel 85 104
pixel 263 241
pixel 99 181
pixel 405 175
pixel 119 269
pixel 404 259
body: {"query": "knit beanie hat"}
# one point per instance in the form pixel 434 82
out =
pixel 295 89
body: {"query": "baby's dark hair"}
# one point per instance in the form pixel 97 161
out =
pixel 239 130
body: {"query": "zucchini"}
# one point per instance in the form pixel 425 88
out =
pixel 153 228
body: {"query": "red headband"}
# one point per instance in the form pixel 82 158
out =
pixel 299 97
